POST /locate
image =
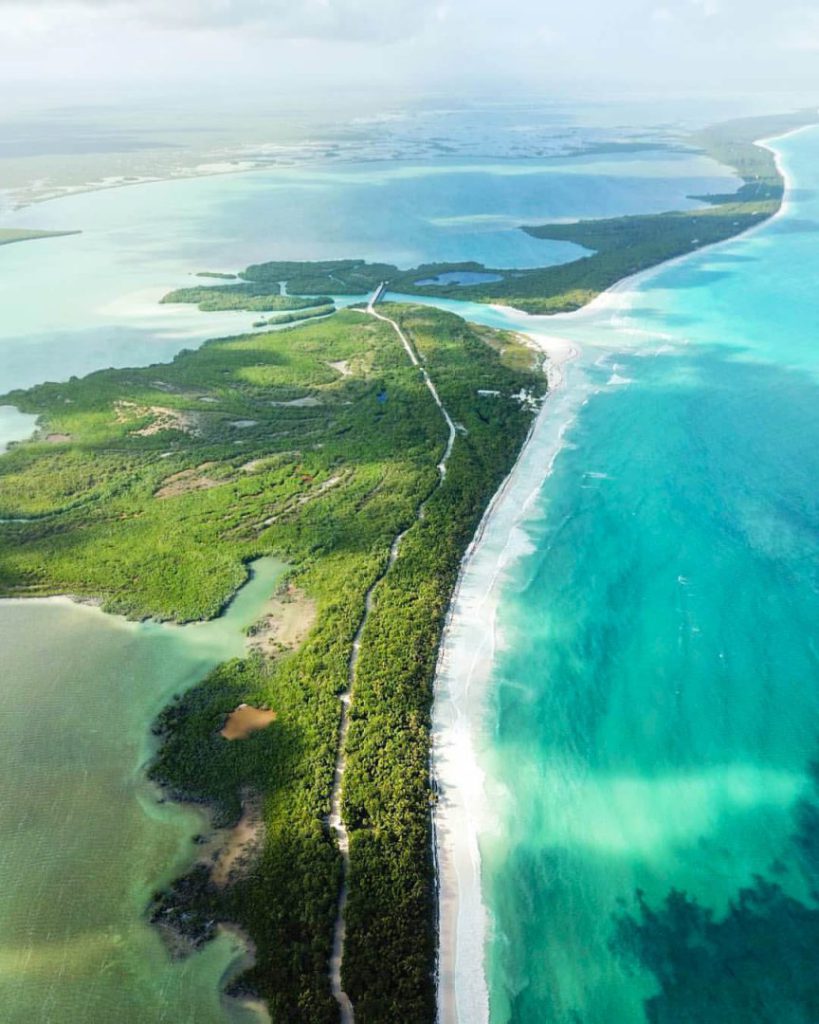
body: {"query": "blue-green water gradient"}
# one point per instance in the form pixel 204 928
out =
pixel 654 713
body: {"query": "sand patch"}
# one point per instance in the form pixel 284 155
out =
pixel 303 499
pixel 186 481
pixel 228 854
pixel 289 617
pixel 163 418
pixel 243 843
pixel 342 367
pixel 242 424
pixel 268 462
pixel 58 438
pixel 300 403
pixel 246 720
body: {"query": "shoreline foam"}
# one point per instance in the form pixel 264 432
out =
pixel 464 663
pixel 470 640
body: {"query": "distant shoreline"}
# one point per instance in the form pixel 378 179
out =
pixel 23 196
pixel 608 298
pixel 119 181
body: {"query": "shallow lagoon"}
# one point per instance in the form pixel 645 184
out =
pixel 75 304
pixel 85 839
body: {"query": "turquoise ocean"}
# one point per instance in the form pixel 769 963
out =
pixel 650 734
pixel 649 720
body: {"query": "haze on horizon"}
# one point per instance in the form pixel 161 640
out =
pixel 218 47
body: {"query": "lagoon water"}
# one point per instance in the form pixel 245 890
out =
pixel 85 839
pixel 652 714
pixel 82 302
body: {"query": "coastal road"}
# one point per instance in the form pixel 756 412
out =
pixel 335 819
pixel 410 350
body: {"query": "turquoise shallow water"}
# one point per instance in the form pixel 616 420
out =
pixel 653 716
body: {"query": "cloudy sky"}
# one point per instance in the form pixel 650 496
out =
pixel 656 45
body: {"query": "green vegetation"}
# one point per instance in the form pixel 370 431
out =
pixel 319 444
pixel 294 318
pixel 9 235
pixel 732 143
pixel 339 277
pixel 625 246
pixel 390 940
pixel 214 298
pixel 620 245
pixel 217 275
pixel 153 488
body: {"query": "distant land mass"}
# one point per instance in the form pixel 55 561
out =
pixel 621 246
pixel 9 235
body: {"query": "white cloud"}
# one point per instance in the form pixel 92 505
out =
pixel 660 45
pixel 801 33
pixel 309 19
pixel 709 8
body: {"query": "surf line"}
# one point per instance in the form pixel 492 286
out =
pixel 335 819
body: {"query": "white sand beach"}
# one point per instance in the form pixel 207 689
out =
pixel 465 660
